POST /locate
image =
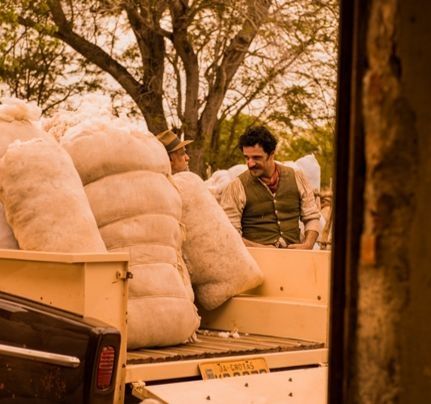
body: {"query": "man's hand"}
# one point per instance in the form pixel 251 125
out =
pixel 310 239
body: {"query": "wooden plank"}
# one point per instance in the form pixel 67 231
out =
pixel 216 346
pixel 42 256
pixel 256 342
pixel 293 274
pixel 271 317
pixel 261 339
pixel 212 334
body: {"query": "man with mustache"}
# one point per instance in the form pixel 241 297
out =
pixel 266 202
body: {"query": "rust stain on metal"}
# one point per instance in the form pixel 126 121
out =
pixel 52 383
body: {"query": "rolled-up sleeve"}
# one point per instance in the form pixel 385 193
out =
pixel 309 213
pixel 233 202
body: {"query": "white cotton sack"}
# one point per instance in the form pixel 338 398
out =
pixel 14 109
pixel 7 239
pixel 77 110
pixel 220 179
pixel 237 170
pixel 160 311
pixel 311 168
pixel 92 150
pixel 218 182
pixel 219 263
pixel 291 164
pixel 18 121
pixel 138 210
pixel 44 199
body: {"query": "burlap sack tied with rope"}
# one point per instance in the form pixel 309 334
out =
pixel 138 210
pixel 44 199
pixel 17 122
pixel 219 263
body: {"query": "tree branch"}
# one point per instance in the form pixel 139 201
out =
pixel 90 51
pixel 142 93
pixel 183 46
pixel 234 55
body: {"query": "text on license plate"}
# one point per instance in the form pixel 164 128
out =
pixel 220 369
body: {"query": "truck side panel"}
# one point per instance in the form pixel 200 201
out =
pixel 292 302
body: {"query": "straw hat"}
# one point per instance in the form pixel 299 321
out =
pixel 171 141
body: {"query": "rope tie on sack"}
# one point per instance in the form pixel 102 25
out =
pixel 172 181
pixel 181 265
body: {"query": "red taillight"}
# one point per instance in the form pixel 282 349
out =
pixel 105 367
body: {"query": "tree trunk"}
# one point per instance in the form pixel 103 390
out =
pixel 197 163
pixel 148 95
pixel 232 59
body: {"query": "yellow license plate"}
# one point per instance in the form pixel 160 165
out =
pixel 220 369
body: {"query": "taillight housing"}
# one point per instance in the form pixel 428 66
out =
pixel 105 367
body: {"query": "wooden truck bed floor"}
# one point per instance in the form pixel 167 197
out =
pixel 213 344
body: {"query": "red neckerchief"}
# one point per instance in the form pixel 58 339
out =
pixel 273 182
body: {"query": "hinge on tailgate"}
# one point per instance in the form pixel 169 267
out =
pixel 140 391
pixel 124 275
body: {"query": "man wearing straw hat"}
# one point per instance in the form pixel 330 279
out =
pixel 176 149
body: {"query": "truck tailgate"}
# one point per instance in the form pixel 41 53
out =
pixel 297 386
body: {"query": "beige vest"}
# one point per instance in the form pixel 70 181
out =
pixel 267 217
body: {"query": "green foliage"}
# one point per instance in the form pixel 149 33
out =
pixel 291 147
pixel 208 67
pixel 36 66
pixel 225 153
pixel 296 106
pixel 319 141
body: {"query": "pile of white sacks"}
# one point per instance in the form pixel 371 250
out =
pixel 108 186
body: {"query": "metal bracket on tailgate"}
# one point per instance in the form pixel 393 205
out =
pixel 124 275
pixel 140 391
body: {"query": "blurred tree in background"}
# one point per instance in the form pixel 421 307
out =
pixel 40 68
pixel 204 66
pixel 317 141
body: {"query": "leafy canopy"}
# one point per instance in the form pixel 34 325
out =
pixel 200 65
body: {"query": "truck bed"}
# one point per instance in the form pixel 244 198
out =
pixel 216 344
pixel 283 321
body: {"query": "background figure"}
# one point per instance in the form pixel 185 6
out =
pixel 176 150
